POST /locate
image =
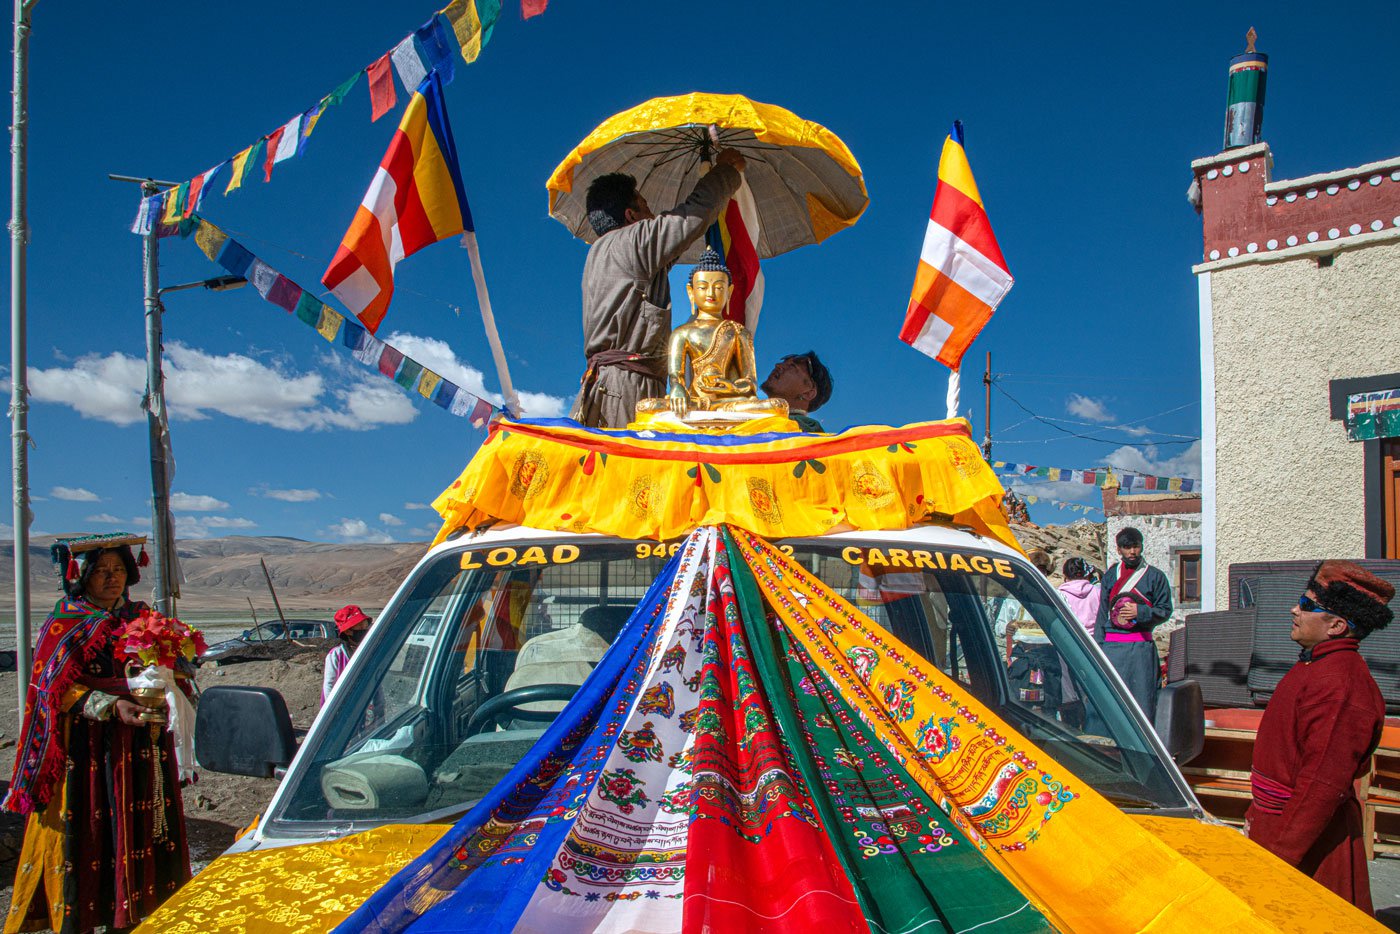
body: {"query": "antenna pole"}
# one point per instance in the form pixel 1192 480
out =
pixel 987 432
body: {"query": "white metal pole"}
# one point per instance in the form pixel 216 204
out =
pixel 19 372
pixel 161 537
pixel 954 391
pixel 493 337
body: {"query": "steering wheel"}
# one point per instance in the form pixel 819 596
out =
pixel 494 710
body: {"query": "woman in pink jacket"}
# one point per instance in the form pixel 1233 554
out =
pixel 1082 595
pixel 1081 592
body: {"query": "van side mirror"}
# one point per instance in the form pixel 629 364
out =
pixel 243 731
pixel 1181 720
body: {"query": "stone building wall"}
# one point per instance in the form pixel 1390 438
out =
pixel 1288 483
pixel 1298 287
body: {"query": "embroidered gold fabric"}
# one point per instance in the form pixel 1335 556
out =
pixel 1277 892
pixel 292 889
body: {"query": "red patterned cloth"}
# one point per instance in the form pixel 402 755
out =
pixel 758 857
pixel 74 632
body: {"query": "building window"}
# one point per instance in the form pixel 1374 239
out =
pixel 1188 576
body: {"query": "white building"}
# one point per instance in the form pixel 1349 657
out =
pixel 1299 295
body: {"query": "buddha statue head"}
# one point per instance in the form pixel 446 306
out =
pixel 709 285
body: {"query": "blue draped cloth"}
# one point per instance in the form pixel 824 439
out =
pixel 504 845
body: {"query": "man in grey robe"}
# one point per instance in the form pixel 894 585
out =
pixel 626 290
pixel 1136 598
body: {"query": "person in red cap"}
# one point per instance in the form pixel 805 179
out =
pixel 1318 733
pixel 352 623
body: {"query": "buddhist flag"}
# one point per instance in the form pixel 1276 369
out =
pixel 734 236
pixel 962 276
pixel 416 199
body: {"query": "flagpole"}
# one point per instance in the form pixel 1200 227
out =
pixel 488 320
pixel 19 388
pixel 954 390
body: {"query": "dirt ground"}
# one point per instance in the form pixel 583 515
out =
pixel 217 806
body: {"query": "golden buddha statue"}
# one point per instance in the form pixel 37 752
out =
pixel 716 352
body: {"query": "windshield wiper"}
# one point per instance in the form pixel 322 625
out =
pixel 1130 801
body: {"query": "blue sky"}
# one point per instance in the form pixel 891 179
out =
pixel 1081 124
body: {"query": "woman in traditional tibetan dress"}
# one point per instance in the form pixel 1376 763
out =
pixel 105 839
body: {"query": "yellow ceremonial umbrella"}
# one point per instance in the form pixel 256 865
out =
pixel 806 183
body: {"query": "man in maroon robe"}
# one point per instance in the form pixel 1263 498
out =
pixel 1319 731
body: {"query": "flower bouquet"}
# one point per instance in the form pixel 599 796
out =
pixel 155 639
pixel 153 646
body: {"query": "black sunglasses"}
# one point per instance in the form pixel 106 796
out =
pixel 1309 605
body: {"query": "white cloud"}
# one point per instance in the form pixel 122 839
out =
pixel 228 522
pixel 74 494
pixel 422 534
pixel 1085 407
pixel 105 519
pixel 416 506
pixel 372 403
pixel 1146 460
pixel 357 530
pixel 289 496
pixel 437 356
pixel 388 518
pixel 198 385
pixel 191 502
pixel 206 526
pixel 1055 489
pixel 105 388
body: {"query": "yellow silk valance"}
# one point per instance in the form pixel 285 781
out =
pixel 560 476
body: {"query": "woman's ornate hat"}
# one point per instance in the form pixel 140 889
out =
pixel 66 552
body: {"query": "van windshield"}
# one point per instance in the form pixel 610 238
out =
pixel 490 643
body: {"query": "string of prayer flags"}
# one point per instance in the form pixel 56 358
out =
pixel 436 49
pixel 198 186
pixel 342 90
pixel 1166 522
pixel 382 96
pixel 282 144
pixel 472 23
pixel 335 327
pixel 1126 481
pixel 147 213
pixel 425 50
pixel 1033 498
pixel 1140 483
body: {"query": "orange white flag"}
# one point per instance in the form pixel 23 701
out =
pixel 962 276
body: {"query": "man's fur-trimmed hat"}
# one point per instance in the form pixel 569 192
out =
pixel 1355 594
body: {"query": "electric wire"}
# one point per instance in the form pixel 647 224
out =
pixel 1050 423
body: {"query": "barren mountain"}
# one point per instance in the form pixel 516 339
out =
pixel 222 573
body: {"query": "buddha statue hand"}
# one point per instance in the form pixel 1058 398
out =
pixel 679 401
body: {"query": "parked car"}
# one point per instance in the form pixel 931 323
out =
pixel 238 650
